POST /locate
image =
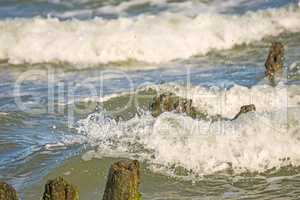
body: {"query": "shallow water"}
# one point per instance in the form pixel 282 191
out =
pixel 90 177
pixel 65 78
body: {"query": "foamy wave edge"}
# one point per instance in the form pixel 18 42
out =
pixel 147 38
pixel 255 142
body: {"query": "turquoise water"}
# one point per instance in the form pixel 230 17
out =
pixel 67 69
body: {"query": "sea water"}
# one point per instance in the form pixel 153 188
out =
pixel 71 74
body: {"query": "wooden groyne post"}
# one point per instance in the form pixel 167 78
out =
pixel 7 192
pixel 274 62
pixel 123 181
pixel 60 189
pixel 122 184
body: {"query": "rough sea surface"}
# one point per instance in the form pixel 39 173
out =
pixel 75 87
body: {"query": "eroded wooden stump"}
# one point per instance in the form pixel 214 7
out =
pixel 60 189
pixel 167 102
pixel 7 192
pixel 123 181
pixel 274 62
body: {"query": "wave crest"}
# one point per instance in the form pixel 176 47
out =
pixel 146 38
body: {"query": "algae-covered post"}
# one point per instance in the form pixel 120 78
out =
pixel 274 62
pixel 123 181
pixel 60 189
pixel 7 192
pixel 168 102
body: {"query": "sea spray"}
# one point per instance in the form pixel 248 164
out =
pixel 205 147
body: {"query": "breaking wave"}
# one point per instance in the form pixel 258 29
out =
pixel 256 142
pixel 146 38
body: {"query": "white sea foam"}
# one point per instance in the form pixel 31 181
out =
pixel 228 102
pixel 147 38
pixel 257 141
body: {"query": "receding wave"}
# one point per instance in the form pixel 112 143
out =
pixel 146 38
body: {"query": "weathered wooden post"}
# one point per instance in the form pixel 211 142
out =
pixel 167 102
pixel 274 62
pixel 60 189
pixel 123 181
pixel 7 192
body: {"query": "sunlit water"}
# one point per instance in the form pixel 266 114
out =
pixel 66 74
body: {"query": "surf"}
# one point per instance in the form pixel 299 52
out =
pixel 145 38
